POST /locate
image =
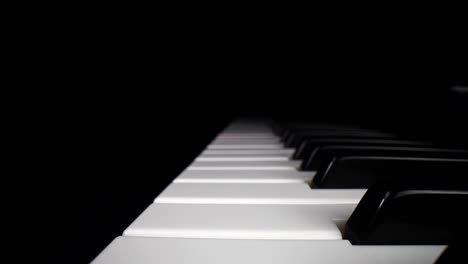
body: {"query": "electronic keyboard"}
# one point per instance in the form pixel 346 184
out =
pixel 357 196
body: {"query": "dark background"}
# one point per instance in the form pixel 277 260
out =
pixel 102 164
pixel 128 114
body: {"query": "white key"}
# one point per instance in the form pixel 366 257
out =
pixel 252 135
pixel 245 137
pixel 245 165
pixel 243 158
pixel 245 141
pixel 246 176
pixel 287 152
pixel 296 222
pixel 143 250
pixel 246 146
pixel 244 130
pixel 256 193
pixel 247 126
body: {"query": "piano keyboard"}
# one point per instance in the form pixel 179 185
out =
pixel 245 200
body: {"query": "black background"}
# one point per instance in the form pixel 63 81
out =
pixel 124 119
pixel 102 164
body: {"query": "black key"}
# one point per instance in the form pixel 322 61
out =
pixel 410 214
pixel 363 171
pixel 307 147
pixel 295 139
pixel 323 155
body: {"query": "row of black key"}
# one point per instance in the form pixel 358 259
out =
pixel 358 161
pixel 418 192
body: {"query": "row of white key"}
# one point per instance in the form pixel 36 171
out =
pixel 245 165
pixel 284 152
pixel 256 193
pixel 243 186
pixel 247 176
pixel 234 221
pixel 145 250
pixel 203 212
